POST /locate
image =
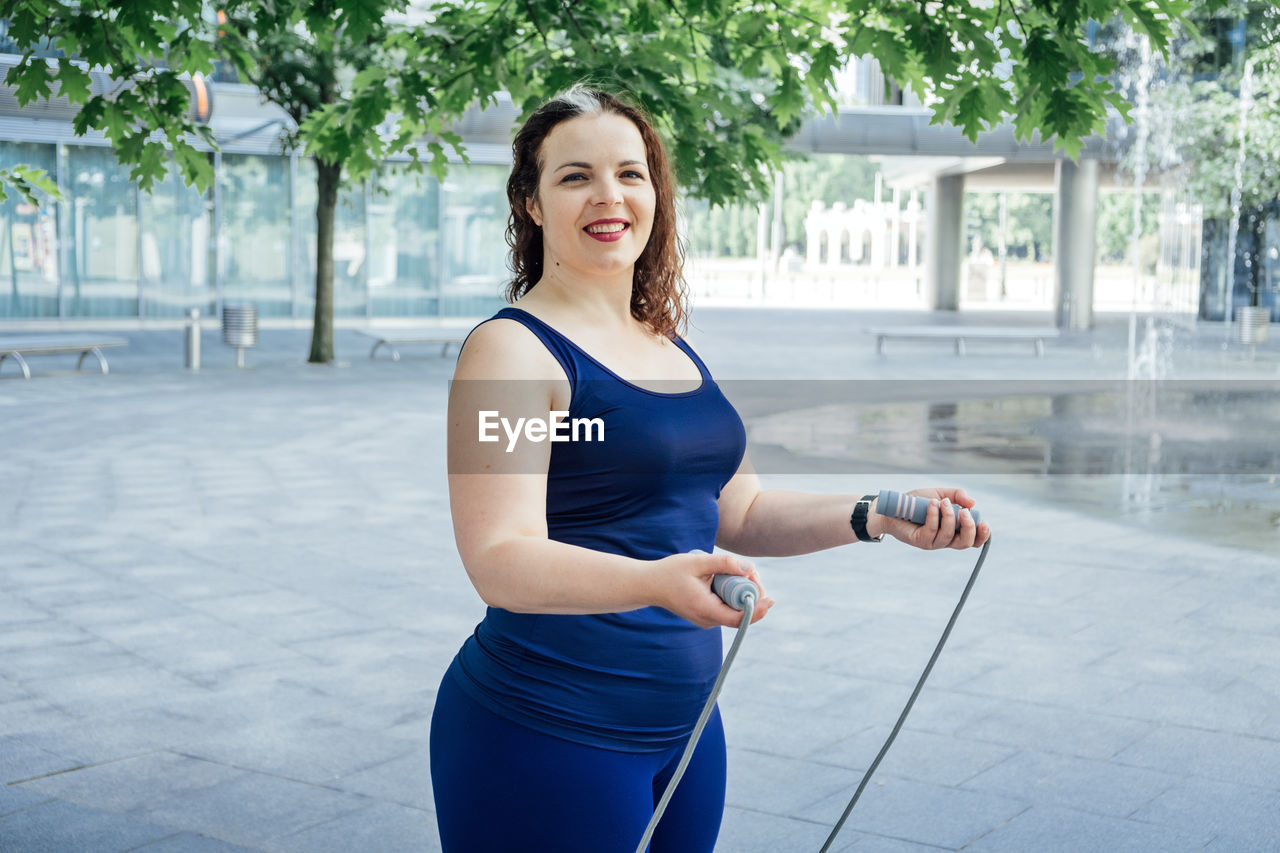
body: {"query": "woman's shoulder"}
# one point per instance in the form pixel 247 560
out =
pixel 502 347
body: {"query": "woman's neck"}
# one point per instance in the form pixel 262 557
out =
pixel 599 303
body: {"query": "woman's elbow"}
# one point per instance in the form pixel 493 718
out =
pixel 485 570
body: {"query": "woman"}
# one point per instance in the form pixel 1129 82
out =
pixel 561 719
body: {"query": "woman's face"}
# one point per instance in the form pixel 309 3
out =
pixel 595 199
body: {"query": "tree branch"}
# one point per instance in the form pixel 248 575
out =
pixel 568 8
pixel 533 19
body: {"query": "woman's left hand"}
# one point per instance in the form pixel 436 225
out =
pixel 939 529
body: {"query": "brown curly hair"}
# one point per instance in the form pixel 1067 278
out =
pixel 659 296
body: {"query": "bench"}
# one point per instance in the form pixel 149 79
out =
pixel 393 339
pixel 20 348
pixel 960 334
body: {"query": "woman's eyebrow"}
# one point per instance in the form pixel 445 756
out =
pixel 589 166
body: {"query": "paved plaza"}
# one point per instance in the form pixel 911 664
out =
pixel 227 598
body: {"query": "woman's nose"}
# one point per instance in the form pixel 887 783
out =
pixel 607 192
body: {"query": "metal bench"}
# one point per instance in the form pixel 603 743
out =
pixel 392 339
pixel 960 334
pixel 20 348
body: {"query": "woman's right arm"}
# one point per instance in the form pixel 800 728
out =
pixel 498 499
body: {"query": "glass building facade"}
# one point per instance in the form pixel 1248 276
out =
pixel 405 244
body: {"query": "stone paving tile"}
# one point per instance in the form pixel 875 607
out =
pixel 1213 755
pixel 1193 705
pixel 405 780
pixel 204 663
pixel 1239 613
pixel 11 692
pixel 385 826
pixel 184 581
pixel 20 760
pixel 132 783
pixel 947 712
pixel 988 653
pixel 1203 670
pixel 1203 805
pixel 867 843
pixel 748 831
pixel 1132 632
pixel 252 809
pixel 91 655
pixel 124 609
pixel 859 700
pixel 188 842
pixel 14 611
pixel 91 588
pixel 918 812
pixel 111 736
pixel 781 786
pixel 60 826
pixel 406 715
pixel 13 798
pixel 1236 843
pixel 1079 691
pixel 915 755
pixel 1072 733
pixel 115 689
pixel 41 635
pixel 786 732
pixel 1076 783
pixel 1045 828
pixel 310 753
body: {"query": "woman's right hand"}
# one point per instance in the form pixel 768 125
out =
pixel 683 586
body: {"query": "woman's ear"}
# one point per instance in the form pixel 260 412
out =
pixel 534 211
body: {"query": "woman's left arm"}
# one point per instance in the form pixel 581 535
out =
pixel 776 523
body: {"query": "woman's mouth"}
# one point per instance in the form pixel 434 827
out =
pixel 607 232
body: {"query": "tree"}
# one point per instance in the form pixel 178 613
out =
pixel 1028 222
pixel 1215 125
pixel 727 80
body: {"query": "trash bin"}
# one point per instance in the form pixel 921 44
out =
pixel 1253 324
pixel 193 339
pixel 240 328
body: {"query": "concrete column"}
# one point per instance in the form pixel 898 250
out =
pixel 913 231
pixel 777 229
pixel 813 233
pixel 762 247
pixel 1075 242
pixel 895 225
pixel 945 249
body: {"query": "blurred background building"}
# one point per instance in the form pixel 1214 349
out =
pixel 885 210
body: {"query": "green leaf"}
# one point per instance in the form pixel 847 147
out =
pixel 73 82
pixel 90 116
pixel 29 183
pixel 32 78
pixel 973 114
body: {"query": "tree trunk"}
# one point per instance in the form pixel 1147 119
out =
pixel 328 177
pixel 1257 259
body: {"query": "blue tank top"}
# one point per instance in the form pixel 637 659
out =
pixel 632 681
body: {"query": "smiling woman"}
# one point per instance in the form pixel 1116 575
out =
pixel 563 717
pixel 609 148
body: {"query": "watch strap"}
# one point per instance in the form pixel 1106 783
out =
pixel 858 521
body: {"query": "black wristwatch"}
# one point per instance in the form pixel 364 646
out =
pixel 858 521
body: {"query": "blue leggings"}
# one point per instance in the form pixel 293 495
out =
pixel 501 787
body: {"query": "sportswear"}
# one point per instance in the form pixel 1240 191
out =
pixel 632 681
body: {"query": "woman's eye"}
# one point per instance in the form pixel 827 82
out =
pixel 572 177
pixel 631 173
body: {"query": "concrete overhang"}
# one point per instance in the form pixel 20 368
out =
pixel 907 131
pixel 993 174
